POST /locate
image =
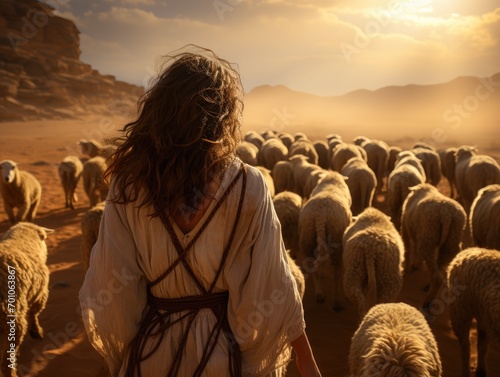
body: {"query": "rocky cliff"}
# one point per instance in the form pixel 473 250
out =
pixel 41 75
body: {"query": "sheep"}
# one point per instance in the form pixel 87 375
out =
pixel 361 182
pixel 70 170
pixel 431 164
pixel 266 173
pixel 474 278
pixel 20 190
pixel 268 134
pixel 377 154
pixel 23 256
pixel 322 222
pixel 447 157
pixel 90 224
pixel 254 138
pixel 485 218
pixel 323 151
pixel 300 136
pixel 399 182
pixel 286 138
pixel 91 148
pixel 333 141
pixel 298 276
pixel 472 173
pixel 301 172
pixel 305 148
pixel 312 181
pixel 391 162
pixel 282 174
pixel 272 151
pixel 287 206
pixel 409 158
pixel 373 260
pixel 394 340
pixel 431 226
pixel 248 153
pixel 342 153
pixel 93 180
pixel 423 145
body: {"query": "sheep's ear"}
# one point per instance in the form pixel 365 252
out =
pixel 346 178
pixel 354 218
pixel 48 230
pixel 413 188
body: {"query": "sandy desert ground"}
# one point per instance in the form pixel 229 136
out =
pixel 38 147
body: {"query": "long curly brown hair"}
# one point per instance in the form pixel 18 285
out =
pixel 185 135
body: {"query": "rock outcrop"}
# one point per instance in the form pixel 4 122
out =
pixel 41 75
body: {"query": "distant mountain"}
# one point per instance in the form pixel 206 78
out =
pixel 41 75
pixel 458 109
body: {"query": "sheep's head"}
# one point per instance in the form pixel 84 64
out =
pixel 8 169
pixel 360 140
pixel 465 151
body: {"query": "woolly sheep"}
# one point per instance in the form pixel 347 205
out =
pixel 300 136
pixel 447 157
pixel 91 148
pixel 409 158
pixel 70 170
pixel 301 172
pixel 323 151
pixel 268 134
pixel 90 224
pixel 373 260
pixel 297 274
pixel 23 258
pixel 20 190
pixel 377 154
pixel 254 138
pixel 333 141
pixel 266 173
pixel 473 172
pixel 312 181
pixel 322 223
pixel 474 279
pixel 431 163
pixel 393 153
pixel 399 182
pixel 342 153
pixel 423 145
pixel 394 340
pixel 305 148
pixel 431 225
pixel 485 218
pixel 282 174
pixel 93 180
pixel 287 206
pixel 286 138
pixel 361 182
pixel 272 151
pixel 248 153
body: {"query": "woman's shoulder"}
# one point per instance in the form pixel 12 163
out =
pixel 255 186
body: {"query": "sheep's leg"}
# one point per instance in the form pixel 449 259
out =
pixel 10 212
pixel 337 278
pixel 32 211
pixel 318 289
pixel 22 214
pixel 35 330
pixel 436 282
pixel 482 348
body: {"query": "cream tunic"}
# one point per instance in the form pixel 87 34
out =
pixel 264 310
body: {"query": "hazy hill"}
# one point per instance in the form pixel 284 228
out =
pixel 464 109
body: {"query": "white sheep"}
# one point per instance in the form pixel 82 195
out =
pixel 93 180
pixel 312 181
pixel 248 153
pixel 306 148
pixel 473 172
pixel 474 280
pixel 272 151
pixel 361 182
pixel 377 153
pixel 287 206
pixel 485 218
pixel 342 153
pixel 20 190
pixel 266 173
pixel 91 148
pixel 393 154
pixel 409 158
pixel 25 289
pixel 399 182
pixel 322 223
pixel 448 167
pixel 254 138
pixel 323 151
pixel 282 174
pixel 432 225
pixel 286 138
pixel 431 162
pixel 373 260
pixel 70 171
pixel 394 340
pixel 297 274
pixel 302 169
pixel 90 223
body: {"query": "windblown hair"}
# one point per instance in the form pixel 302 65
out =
pixel 185 135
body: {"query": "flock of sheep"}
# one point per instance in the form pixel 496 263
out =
pixel 323 194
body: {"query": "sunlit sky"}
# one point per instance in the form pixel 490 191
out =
pixel 321 47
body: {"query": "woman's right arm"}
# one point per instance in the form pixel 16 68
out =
pixel 304 357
